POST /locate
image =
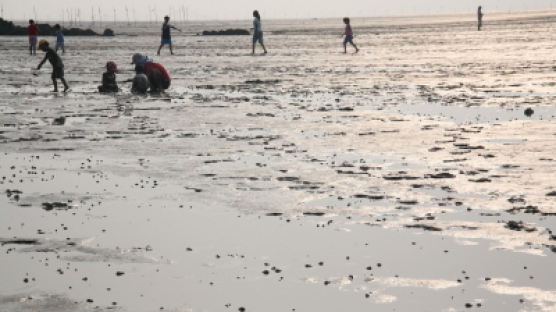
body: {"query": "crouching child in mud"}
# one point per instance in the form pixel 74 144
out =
pixel 56 62
pixel 140 83
pixel 109 83
pixel 159 79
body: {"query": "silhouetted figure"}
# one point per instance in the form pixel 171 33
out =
pixel 257 31
pixel 348 33
pixel 56 62
pixel 33 32
pixel 166 36
pixel 59 38
pixel 480 18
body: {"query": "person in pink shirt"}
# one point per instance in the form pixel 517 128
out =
pixel 348 36
pixel 33 32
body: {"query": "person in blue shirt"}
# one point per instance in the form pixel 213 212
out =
pixel 166 37
pixel 257 31
pixel 59 39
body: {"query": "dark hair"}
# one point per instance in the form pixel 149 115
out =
pixel 31 21
pixel 166 17
pixel 346 20
pixel 57 26
pixel 256 14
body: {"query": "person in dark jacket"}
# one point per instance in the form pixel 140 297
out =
pixel 109 83
pixel 56 62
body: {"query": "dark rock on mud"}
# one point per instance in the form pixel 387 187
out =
pixel 371 197
pixel 314 214
pixel 518 226
pixel 59 121
pixel 108 32
pixel 55 205
pixel 480 180
pixel 19 241
pixel 529 112
pixel 8 28
pixel 551 194
pixel 525 209
pixel 274 214
pixel 442 175
pixel 424 227
pixel 227 32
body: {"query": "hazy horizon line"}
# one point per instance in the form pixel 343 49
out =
pixel 460 13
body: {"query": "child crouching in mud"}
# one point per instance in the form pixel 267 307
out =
pixel 159 79
pixel 109 83
pixel 56 62
pixel 140 83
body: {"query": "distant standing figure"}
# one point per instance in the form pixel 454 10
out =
pixel 257 31
pixel 109 83
pixel 59 39
pixel 56 62
pixel 348 36
pixel 480 18
pixel 33 32
pixel 166 36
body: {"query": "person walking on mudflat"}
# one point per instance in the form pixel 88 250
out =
pixel 348 33
pixel 257 32
pixel 166 36
pixel 480 18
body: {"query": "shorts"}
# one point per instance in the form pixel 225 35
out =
pixel 59 45
pixel 57 72
pixel 166 41
pixel 348 39
pixel 258 37
pixel 33 40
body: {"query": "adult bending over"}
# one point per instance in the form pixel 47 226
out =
pixel 159 79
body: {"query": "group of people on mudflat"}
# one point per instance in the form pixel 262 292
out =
pixel 149 75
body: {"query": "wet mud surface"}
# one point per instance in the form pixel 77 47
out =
pixel 416 175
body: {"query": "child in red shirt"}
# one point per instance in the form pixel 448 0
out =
pixel 33 32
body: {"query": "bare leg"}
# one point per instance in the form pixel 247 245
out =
pixel 356 48
pixel 171 51
pixel 55 83
pixel 264 49
pixel 66 87
pixel 158 53
pixel 345 47
pixel 254 44
pixel 63 49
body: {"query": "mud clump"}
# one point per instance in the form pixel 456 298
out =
pixel 55 205
pixel 529 112
pixel 443 175
pixel 226 32
pixel 59 121
pixel 518 226
pixel 424 227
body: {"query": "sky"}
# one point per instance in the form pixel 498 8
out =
pixel 151 10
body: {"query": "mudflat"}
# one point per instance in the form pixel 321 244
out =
pixel 415 175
